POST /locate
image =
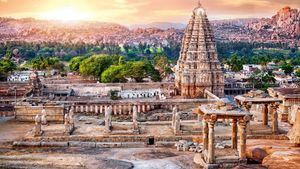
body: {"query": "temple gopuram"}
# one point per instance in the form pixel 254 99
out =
pixel 198 67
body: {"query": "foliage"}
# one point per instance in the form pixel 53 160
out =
pixel 95 65
pixel 137 70
pixel 6 66
pixel 161 62
pixel 75 63
pixel 287 68
pixel 235 63
pixel 45 63
pixel 297 72
pixel 262 80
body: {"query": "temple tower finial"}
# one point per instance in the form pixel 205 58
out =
pixel 199 3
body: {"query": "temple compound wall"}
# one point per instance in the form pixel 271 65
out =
pixel 102 90
pixel 28 113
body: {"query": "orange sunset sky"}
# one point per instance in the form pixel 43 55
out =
pixel 139 11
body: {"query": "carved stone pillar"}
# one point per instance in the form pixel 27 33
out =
pixel 86 108
pixel 143 108
pixel 211 142
pixel 138 108
pixel 274 119
pixel 265 114
pixel 234 134
pixel 205 134
pixel 243 137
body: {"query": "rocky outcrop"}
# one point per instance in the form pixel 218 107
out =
pixel 285 24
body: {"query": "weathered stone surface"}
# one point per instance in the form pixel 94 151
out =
pixel 256 154
pixel 54 144
pixel 283 159
pixel 26 144
pixel 81 144
pixel 198 158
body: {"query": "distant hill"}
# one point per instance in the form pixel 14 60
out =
pixel 160 25
pixel 283 27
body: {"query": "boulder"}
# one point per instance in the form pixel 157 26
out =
pixel 256 154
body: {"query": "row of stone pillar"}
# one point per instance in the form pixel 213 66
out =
pixel 267 109
pixel 117 108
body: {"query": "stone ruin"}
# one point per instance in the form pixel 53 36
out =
pixel 256 94
pixel 38 126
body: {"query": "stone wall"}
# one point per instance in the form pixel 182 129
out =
pixel 28 113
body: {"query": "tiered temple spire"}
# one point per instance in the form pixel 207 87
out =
pixel 198 67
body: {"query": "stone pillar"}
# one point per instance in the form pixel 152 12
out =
pixel 243 137
pixel 234 134
pixel 148 108
pixel 139 108
pixel 91 108
pixel 265 114
pixel 115 110
pixel 143 108
pixel 177 123
pixel 81 109
pixel 173 115
pixel 274 119
pixel 120 109
pixel 38 126
pixel 134 119
pixel 96 109
pixel 129 109
pixel 211 142
pixel 101 109
pixel 108 123
pixel 77 109
pixel 86 108
pixel 205 134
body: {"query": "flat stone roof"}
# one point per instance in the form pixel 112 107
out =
pixel 236 113
pixel 257 99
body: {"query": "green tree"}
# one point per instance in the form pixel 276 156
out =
pixel 114 74
pixel 297 72
pixel 6 66
pixel 235 63
pixel 75 63
pixel 161 63
pixel 287 68
pixel 95 65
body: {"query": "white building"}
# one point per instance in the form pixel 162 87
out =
pixel 133 94
pixel 22 76
pixel 251 67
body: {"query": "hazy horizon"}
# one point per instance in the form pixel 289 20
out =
pixel 131 12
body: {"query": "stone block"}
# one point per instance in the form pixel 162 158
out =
pixel 133 145
pixel 82 144
pixel 54 144
pixel 108 145
pixel 26 144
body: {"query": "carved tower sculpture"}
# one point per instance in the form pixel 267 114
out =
pixel 198 67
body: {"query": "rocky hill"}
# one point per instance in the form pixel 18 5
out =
pixel 284 25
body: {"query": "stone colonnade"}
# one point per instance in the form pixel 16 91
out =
pixel 119 109
pixel 239 126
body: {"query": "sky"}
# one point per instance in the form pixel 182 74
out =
pixel 140 11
